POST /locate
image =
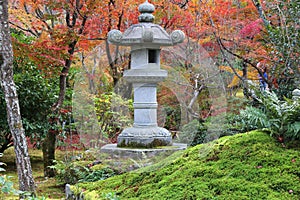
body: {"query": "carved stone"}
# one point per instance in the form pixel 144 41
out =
pixel 114 36
pixel 177 36
pixel 146 9
pixel 147 137
pixel 145 40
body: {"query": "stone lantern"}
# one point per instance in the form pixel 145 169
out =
pixel 145 40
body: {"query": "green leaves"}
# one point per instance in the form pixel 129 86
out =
pixel 193 133
pixel 36 95
pixel 6 186
pixel 254 118
pixel 113 113
pixel 280 117
pixel 282 43
pixel 74 171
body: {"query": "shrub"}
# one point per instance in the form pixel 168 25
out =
pixel 283 115
pixel 193 133
pixel 79 171
pixel 113 113
pixel 69 172
pixel 280 117
pixel 97 175
pixel 253 118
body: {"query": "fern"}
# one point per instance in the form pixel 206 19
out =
pixel 281 117
pixel 254 118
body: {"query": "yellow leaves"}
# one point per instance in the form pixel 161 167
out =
pixel 43 37
pixel 195 2
pixel 251 75
pixel 20 17
pixel 235 81
pixel 204 40
pixel 226 68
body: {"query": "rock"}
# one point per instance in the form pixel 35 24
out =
pixel 296 94
pixel 70 194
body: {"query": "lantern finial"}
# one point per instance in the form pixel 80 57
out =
pixel 146 9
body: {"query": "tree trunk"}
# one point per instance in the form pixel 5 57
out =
pixel 245 82
pixel 261 13
pixel 24 170
pixel 49 141
pixel 48 148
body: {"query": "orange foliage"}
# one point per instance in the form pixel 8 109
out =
pixel 235 22
pixel 252 74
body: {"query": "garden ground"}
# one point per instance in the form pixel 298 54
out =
pixel 48 188
pixel 244 166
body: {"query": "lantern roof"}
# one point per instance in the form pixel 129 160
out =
pixel 145 32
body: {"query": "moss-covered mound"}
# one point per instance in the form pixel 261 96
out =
pixel 245 166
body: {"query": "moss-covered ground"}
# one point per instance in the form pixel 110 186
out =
pixel 245 166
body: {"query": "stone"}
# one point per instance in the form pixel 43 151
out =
pixel 70 194
pixel 140 153
pixel 296 94
pixel 147 137
pixel 145 40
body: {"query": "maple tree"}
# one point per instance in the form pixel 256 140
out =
pixel 238 36
pixel 241 34
pixel 59 30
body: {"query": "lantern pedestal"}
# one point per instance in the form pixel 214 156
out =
pixel 145 132
pixel 122 154
pixel 146 137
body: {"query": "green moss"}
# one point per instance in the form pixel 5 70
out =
pixel 155 143
pixel 245 166
pixel 98 167
pixel 93 195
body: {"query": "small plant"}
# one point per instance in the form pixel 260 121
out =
pixel 254 118
pixel 193 133
pixel 113 113
pixel 74 171
pixel 98 175
pixel 36 198
pixel 69 172
pixel 284 115
pixel 233 125
pixel 6 186
pixel 110 196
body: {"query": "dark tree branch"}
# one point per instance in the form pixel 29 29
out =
pixel 261 13
pixel 23 29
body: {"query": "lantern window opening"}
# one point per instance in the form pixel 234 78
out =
pixel 153 56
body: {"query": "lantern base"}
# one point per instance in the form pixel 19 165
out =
pixel 144 137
